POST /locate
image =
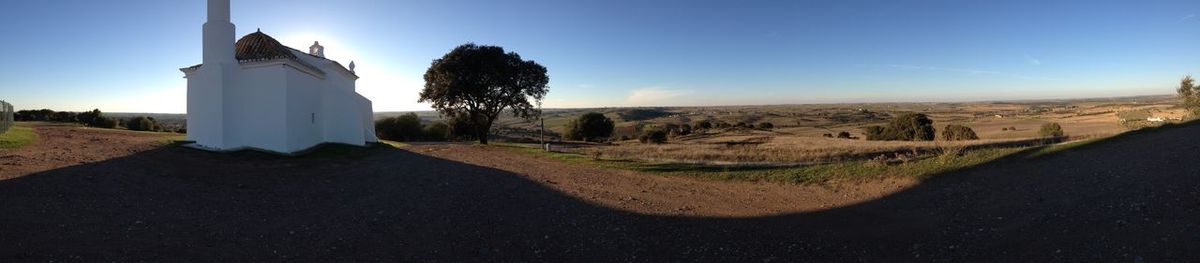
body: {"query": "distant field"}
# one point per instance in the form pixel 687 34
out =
pixel 789 150
pixel 799 136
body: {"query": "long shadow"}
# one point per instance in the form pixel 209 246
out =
pixel 1135 198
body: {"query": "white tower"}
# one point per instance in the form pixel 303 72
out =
pixel 218 33
pixel 206 107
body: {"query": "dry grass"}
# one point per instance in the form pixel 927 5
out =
pixel 752 149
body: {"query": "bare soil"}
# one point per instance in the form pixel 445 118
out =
pixel 64 145
pixel 97 195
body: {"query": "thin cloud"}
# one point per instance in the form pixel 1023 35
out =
pixel 967 71
pixel 652 95
pixel 1032 60
pixel 1187 17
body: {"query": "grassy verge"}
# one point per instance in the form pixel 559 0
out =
pixel 17 136
pixel 812 174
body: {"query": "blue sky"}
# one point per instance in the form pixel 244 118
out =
pixel 124 56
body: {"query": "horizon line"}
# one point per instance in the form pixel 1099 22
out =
pixel 776 104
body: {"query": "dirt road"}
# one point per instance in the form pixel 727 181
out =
pixel 1136 198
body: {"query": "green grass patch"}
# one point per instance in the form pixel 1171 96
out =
pixel 17 136
pixel 1056 148
pixel 811 174
pixel 394 144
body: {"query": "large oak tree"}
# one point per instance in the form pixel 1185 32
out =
pixel 480 82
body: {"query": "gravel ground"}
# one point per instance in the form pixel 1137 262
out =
pixel 128 199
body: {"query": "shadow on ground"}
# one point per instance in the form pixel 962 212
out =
pixel 1133 198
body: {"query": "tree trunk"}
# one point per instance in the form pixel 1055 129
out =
pixel 483 137
pixel 481 130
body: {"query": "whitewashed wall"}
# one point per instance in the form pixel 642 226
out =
pixel 205 104
pixel 304 114
pixel 256 107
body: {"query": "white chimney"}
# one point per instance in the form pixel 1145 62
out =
pixel 316 49
pixel 218 33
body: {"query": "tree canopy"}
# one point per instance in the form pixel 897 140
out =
pixel 958 133
pixel 479 82
pixel 1052 130
pixel 1189 93
pixel 908 127
pixel 592 126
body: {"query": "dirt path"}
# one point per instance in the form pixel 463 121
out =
pixel 1133 199
pixel 64 145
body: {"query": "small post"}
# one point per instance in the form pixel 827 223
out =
pixel 542 129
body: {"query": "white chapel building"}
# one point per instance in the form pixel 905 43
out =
pixel 256 93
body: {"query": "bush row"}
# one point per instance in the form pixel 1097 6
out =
pixel 94 118
pixel 408 128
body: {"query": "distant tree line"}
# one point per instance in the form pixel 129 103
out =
pixel 94 118
pixel 596 127
pixel 718 124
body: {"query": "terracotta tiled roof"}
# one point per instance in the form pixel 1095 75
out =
pixel 259 46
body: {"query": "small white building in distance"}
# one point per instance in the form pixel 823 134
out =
pixel 259 94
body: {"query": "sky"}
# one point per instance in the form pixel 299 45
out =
pixel 125 55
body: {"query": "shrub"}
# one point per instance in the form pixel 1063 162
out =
pixel 958 133
pixel 908 127
pixel 684 129
pixel 107 123
pixel 90 118
pixel 1189 93
pixel 1051 130
pixel 1004 129
pixel 1013 128
pixel 654 136
pixel 405 127
pixel 438 131
pixel 843 135
pixel 142 123
pixel 63 116
pixel 642 114
pixel 462 128
pixel 705 124
pixel 671 128
pixel 828 135
pixel 875 133
pixel 592 127
pixel 741 125
pixel 722 125
pixel 766 126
